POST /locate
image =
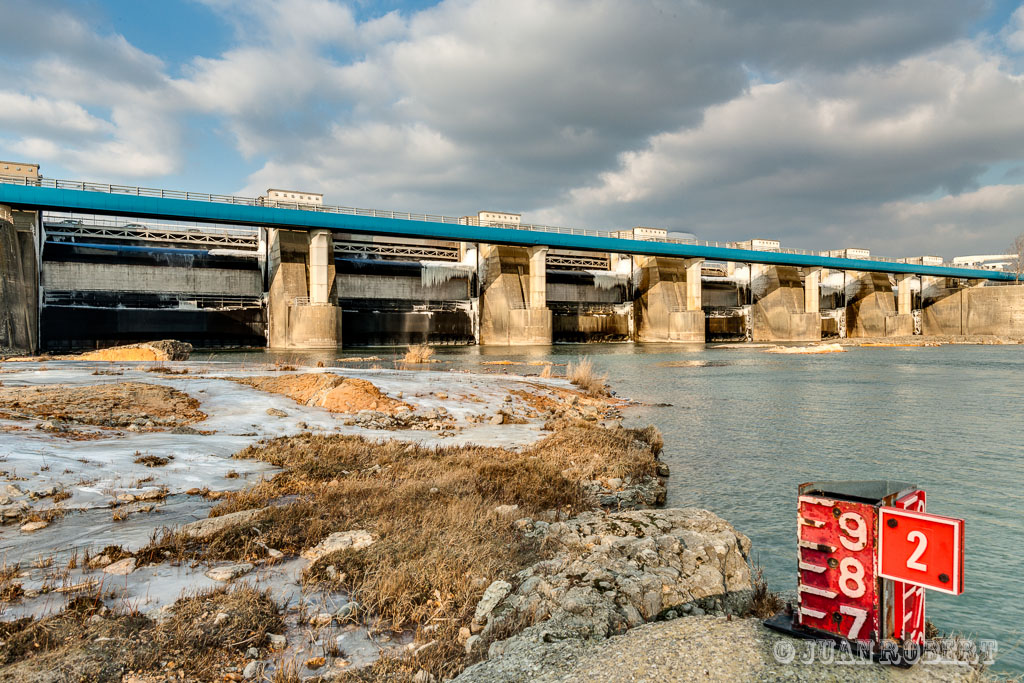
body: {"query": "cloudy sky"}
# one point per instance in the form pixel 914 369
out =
pixel 895 126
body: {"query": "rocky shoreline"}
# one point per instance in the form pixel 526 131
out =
pixel 359 531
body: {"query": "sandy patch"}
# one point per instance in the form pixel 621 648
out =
pixel 119 405
pixel 823 348
pixel 166 350
pixel 329 391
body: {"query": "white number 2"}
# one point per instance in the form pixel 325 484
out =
pixel 859 532
pixel 922 543
pixel 859 617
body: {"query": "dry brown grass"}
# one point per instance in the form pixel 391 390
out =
pixel 86 641
pixel 764 602
pixel 582 374
pixel 150 460
pixel 547 371
pixel 418 353
pixel 439 542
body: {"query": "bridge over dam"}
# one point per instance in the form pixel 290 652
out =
pixel 87 265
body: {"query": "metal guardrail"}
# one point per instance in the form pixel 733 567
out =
pixel 397 251
pixel 577 262
pixel 110 188
pixel 101 228
pixel 105 298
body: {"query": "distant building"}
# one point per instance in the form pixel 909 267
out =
pixel 18 169
pixel 757 245
pixel 861 254
pixel 292 197
pixel 497 218
pixel 922 260
pixel 492 219
pixel 642 233
pixel 980 258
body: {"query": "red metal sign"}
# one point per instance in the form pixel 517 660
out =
pixel 838 590
pixel 908 601
pixel 921 549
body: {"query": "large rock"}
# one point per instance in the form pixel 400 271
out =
pixel 340 540
pixel 229 572
pixel 121 567
pixel 611 572
pixel 207 528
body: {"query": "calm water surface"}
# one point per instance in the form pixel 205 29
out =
pixel 745 427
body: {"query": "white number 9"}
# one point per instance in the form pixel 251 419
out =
pixel 858 534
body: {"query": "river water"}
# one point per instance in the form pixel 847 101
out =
pixel 745 427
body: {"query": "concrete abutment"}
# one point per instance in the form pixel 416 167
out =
pixel 19 281
pixel 996 311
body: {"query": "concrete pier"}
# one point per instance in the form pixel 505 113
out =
pixel 302 301
pixel 19 285
pixel 812 290
pixel 872 310
pixel 668 300
pixel 513 306
pixel 779 311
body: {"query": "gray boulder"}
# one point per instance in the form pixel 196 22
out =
pixel 611 572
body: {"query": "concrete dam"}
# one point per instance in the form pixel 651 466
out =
pixel 82 282
pixel 87 265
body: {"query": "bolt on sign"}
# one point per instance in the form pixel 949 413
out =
pixel 866 551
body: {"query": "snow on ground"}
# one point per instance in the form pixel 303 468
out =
pixel 96 472
pixel 102 477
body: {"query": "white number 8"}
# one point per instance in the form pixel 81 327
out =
pixel 850 570
pixel 859 532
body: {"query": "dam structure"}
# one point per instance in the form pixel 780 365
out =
pixel 87 265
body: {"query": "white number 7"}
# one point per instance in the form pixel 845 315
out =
pixel 859 617
pixel 922 543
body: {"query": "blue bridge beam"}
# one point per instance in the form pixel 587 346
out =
pixel 31 197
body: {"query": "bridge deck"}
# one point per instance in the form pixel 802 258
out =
pixel 78 197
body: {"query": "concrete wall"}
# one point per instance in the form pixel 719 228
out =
pixel 871 308
pixel 778 312
pixel 661 302
pixel 65 276
pixel 19 298
pixel 974 311
pixel 356 286
pixel 293 324
pixel 510 311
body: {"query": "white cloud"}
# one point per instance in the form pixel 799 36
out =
pixel 808 158
pixel 1014 31
pixel 734 119
pixel 58 118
